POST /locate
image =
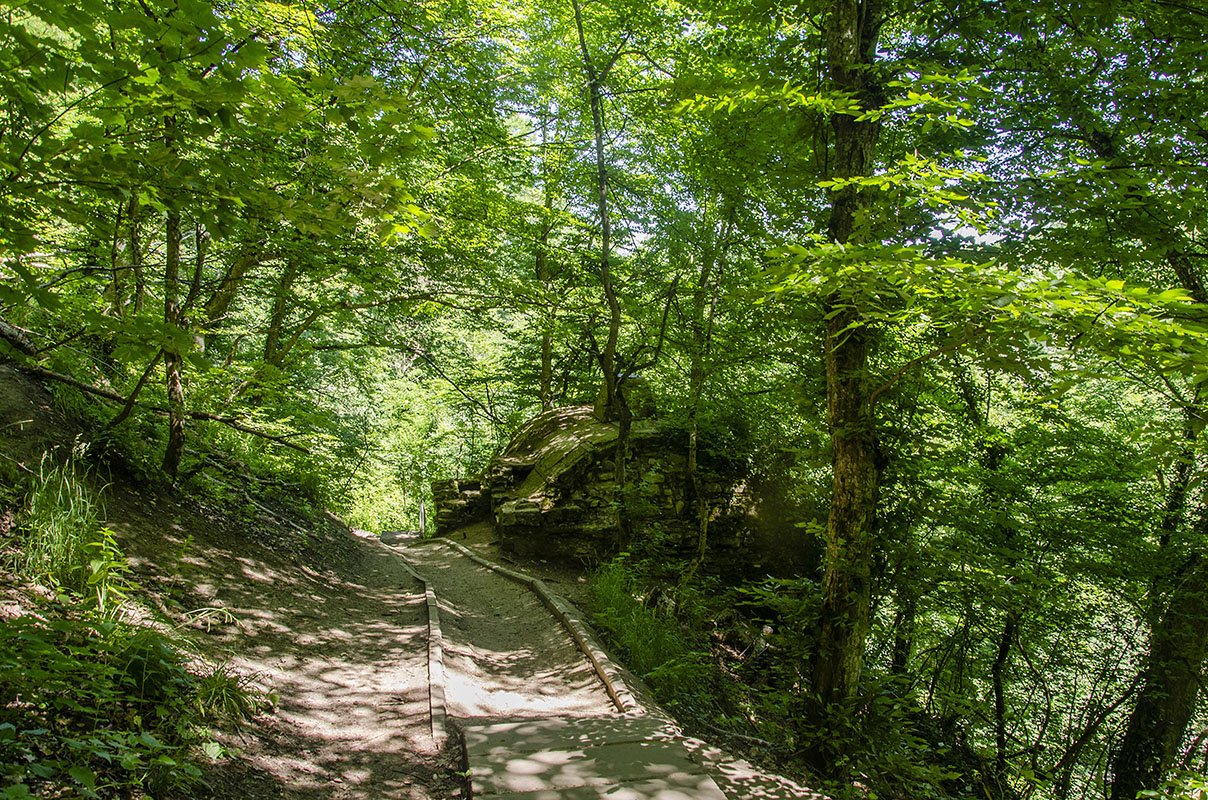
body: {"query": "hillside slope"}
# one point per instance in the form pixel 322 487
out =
pixel 327 622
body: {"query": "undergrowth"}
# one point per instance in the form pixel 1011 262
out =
pixel 98 707
pixel 651 640
pixel 735 664
pixel 62 527
pixel 91 704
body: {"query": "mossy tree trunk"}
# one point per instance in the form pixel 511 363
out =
pixel 852 30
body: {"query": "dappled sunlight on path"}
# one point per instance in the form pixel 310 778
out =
pixel 505 655
pixel 346 654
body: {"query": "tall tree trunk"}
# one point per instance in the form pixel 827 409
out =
pixel 541 267
pixel 847 584
pixel 998 681
pixel 904 625
pixel 117 253
pixel 1170 684
pixel 608 354
pixel 852 29
pixel 613 406
pixel 135 255
pixel 1178 642
pixel 701 327
pixel 172 356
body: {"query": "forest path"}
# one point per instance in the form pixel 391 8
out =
pixel 345 651
pixel 641 754
pixel 504 655
pixel 537 719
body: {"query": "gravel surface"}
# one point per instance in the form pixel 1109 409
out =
pixel 505 654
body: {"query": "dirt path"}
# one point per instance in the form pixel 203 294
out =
pixel 505 655
pixel 344 650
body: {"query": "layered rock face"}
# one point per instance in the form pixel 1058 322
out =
pixel 552 494
pixel 459 502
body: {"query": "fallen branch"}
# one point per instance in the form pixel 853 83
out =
pixel 109 394
pixel 18 338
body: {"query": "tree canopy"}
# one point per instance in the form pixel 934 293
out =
pixel 940 267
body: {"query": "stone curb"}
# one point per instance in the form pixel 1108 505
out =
pixel 437 707
pixel 604 667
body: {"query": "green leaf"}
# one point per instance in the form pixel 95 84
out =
pixel 83 776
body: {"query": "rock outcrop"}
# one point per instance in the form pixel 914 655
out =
pixel 552 494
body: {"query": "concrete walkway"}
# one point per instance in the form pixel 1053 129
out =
pixel 539 713
pixel 620 758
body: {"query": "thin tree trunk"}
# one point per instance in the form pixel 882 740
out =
pixel 903 634
pixel 613 404
pixel 998 681
pixel 117 252
pixel 608 355
pixel 135 254
pixel 541 268
pixel 132 400
pixel 245 260
pixel 172 356
pixel 701 325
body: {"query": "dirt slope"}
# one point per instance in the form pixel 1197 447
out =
pixel 330 623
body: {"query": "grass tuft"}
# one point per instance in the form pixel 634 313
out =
pixel 650 641
pixel 62 523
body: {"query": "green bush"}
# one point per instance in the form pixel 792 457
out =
pixel 650 641
pixel 96 708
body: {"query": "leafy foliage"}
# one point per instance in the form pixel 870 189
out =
pixel 98 707
pixel 347 252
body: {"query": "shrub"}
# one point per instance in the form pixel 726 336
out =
pixel 96 708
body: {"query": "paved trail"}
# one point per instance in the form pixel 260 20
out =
pixel 505 656
pixel 537 721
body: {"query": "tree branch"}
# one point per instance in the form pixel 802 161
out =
pixel 109 394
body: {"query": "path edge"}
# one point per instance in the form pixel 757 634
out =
pixel 603 665
pixel 438 714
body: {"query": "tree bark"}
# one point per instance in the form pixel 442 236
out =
pixel 134 251
pixel 1170 684
pixel 541 268
pixel 117 301
pixel 704 307
pixel 608 355
pixel 852 29
pixel 18 338
pixel 276 322
pixel 172 357
pixel 245 260
pixel 998 681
